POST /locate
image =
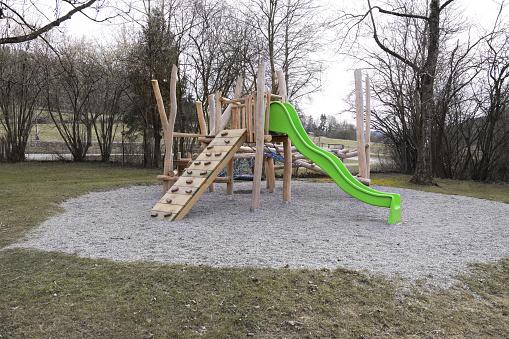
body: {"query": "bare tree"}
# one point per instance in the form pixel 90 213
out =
pixel 74 79
pixel 27 20
pixel 21 82
pixel 221 48
pixel 159 45
pixel 492 98
pixel 418 53
pixel 108 102
pixel 292 35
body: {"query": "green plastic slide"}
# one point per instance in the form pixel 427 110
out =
pixel 284 119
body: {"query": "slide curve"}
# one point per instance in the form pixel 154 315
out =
pixel 284 119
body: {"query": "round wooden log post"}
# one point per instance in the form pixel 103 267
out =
pixel 259 137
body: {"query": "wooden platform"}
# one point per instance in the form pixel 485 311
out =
pixel 195 180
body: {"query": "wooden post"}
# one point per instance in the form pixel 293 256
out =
pixel 259 137
pixel 236 111
pixel 287 174
pixel 173 109
pixel 168 123
pixel 368 126
pixel 267 114
pixel 360 123
pixel 212 124
pixel 282 86
pixel 212 114
pixel 167 140
pixel 249 119
pixel 201 119
pixel 271 174
pixel 287 145
pixel 229 184
pixel 218 114
pixel 227 115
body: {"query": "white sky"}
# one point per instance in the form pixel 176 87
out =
pixel 338 80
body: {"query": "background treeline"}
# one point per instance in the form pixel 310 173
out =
pixel 89 90
pixel 440 83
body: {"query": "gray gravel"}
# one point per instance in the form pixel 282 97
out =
pixel 323 227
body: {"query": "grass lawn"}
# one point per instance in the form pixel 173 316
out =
pixel 47 294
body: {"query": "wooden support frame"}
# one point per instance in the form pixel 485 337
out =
pixel 251 112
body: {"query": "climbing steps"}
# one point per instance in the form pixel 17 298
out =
pixel 195 180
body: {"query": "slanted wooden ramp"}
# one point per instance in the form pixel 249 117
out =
pixel 179 199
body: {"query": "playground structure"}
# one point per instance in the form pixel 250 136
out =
pixel 243 130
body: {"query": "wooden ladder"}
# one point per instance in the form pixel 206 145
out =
pixel 195 180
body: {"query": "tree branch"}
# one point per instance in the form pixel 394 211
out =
pixel 403 15
pixel 385 48
pixel 445 4
pixel 36 33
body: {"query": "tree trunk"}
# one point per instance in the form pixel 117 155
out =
pixel 423 174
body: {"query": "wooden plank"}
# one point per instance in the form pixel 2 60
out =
pixel 204 163
pixel 259 134
pixel 162 207
pixel 218 148
pixel 230 133
pixel 223 141
pixel 187 135
pixel 175 199
pixel 190 182
pixel 180 189
pixel 198 172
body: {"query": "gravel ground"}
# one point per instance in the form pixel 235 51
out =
pixel 323 227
